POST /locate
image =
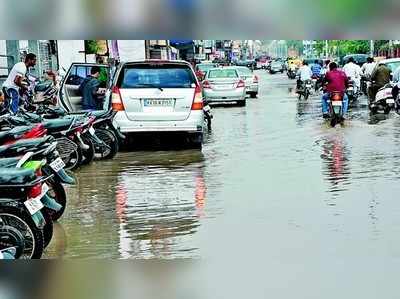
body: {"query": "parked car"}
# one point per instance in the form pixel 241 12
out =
pixel 251 80
pixel 276 66
pixel 252 64
pixel 359 59
pixel 392 63
pixel 158 96
pixel 202 68
pixel 224 85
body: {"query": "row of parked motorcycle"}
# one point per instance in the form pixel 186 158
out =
pixel 39 147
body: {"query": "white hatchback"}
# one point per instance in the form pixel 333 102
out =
pixel 158 96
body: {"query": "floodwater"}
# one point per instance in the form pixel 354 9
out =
pixel 273 183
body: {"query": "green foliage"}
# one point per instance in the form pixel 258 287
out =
pixel 91 47
pixel 295 44
pixel 343 47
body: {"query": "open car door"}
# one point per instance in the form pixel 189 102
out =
pixel 70 96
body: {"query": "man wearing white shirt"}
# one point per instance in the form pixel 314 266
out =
pixel 13 84
pixel 368 67
pixel 353 71
pixel 305 73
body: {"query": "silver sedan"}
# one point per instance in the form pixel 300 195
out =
pixel 223 85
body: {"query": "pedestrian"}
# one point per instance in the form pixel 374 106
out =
pixel 89 89
pixel 13 87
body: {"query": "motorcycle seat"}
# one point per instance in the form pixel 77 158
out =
pixel 24 145
pixel 58 124
pixel 9 162
pixel 16 176
pixel 14 131
pixel 43 86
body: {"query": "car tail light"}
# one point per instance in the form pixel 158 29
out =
pixel 116 100
pixel 255 80
pixel 198 103
pixel 35 191
pixel 240 84
pixel 206 85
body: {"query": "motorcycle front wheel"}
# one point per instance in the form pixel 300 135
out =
pixel 110 140
pixel 12 237
pixel 33 236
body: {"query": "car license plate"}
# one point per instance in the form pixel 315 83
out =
pixel 158 103
pixel 389 101
pixel 57 165
pixel 91 131
pixel 223 87
pixel 308 85
pixel 337 103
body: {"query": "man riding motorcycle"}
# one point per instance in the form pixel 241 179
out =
pixel 380 77
pixel 317 69
pixel 304 74
pixel 337 81
pixel 353 71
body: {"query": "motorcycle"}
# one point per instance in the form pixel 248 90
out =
pixel 207 115
pixel 352 93
pixel 21 207
pixel 43 148
pixel 336 108
pixel 305 89
pixel 383 100
pixel 291 74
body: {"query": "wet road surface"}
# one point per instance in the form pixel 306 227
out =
pixel 273 182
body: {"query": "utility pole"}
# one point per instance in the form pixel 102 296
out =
pixel 326 49
pixel 372 47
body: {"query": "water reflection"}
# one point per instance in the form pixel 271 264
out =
pixel 160 204
pixel 336 170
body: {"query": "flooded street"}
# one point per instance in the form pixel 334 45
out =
pixel 273 182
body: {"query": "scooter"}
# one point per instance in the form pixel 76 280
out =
pixel 383 100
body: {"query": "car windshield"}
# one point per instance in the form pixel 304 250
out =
pixel 244 71
pixel 206 67
pixel 156 76
pixel 393 65
pixel 214 74
pixel 276 64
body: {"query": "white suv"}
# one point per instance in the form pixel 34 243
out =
pixel 150 96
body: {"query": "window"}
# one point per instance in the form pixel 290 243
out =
pixel 157 76
pixel 214 74
pixel 78 73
